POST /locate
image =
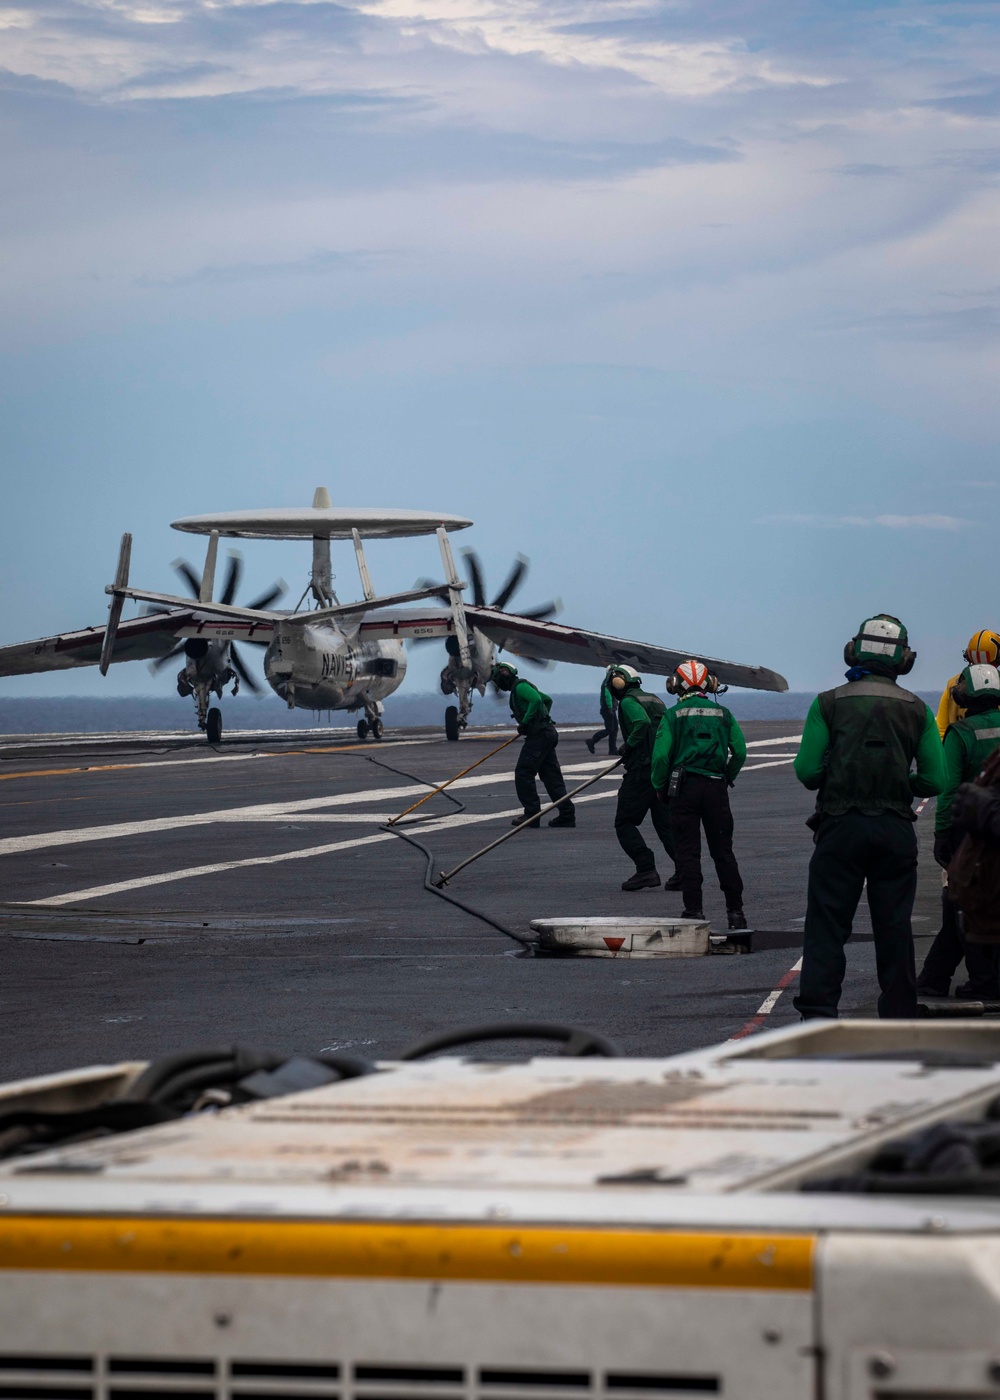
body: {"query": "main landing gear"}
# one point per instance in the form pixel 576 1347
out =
pixel 456 717
pixel 372 722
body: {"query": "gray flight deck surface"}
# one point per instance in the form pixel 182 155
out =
pixel 342 947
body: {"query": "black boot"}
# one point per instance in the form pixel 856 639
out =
pixel 673 885
pixel 532 826
pixel 737 920
pixel 693 914
pixel 590 744
pixel 642 880
pixel 563 819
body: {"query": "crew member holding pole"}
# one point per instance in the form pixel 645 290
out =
pixel 640 715
pixel 532 710
pixel 968 743
pixel 698 752
pixel 857 748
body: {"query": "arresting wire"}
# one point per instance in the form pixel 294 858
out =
pixel 428 855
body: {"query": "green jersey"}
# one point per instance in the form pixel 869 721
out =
pixel 700 736
pixel 530 707
pixel 859 743
pixel 968 743
pixel 639 715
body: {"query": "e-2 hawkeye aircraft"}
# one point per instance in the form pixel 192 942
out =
pixel 333 655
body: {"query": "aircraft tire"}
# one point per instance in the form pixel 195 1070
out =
pixel 213 725
pixel 378 729
pixel 451 728
pixel 362 729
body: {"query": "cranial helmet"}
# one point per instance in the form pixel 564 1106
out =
pixel 983 648
pixel 691 675
pixel 503 675
pixel 883 640
pixel 977 688
pixel 622 678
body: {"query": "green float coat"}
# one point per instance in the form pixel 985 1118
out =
pixel 529 706
pixel 858 745
pixel 640 715
pixel 968 743
pixel 700 736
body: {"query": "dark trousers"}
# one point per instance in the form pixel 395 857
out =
pixel 704 802
pixel 948 950
pixel 636 798
pixel 538 759
pixel 851 849
pixel 610 730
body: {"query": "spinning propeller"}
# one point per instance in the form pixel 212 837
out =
pixel 515 578
pixel 196 647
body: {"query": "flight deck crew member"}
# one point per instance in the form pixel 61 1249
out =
pixel 968 743
pixel 640 715
pixel 609 716
pixel 537 758
pixel 983 650
pixel 698 752
pixel 857 747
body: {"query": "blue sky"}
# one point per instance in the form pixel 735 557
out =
pixel 695 304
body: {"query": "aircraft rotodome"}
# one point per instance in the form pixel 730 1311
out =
pixel 332 655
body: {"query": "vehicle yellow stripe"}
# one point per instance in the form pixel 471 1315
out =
pixel 474 1253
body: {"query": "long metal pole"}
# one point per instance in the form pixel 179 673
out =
pixel 444 877
pixel 428 795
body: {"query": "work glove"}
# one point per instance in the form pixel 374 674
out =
pixel 943 851
pixel 521 729
pixel 622 750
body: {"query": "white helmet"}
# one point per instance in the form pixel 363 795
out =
pixel 622 678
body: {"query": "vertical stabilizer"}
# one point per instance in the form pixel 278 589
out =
pixel 321 582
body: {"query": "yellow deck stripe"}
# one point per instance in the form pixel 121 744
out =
pixel 124 767
pixel 323 1249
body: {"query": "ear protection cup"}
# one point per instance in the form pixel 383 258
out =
pixel 850 653
pixel 906 665
pixel 673 685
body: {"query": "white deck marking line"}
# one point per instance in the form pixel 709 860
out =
pixel 195 871
pixel 315 748
pixel 769 1003
pixel 775 763
pixel 73 836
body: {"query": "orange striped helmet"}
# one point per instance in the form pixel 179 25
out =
pixel 693 675
pixel 983 648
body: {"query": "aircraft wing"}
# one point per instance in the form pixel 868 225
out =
pixel 551 641
pixel 139 639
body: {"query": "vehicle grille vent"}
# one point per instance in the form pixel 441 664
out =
pixel 74 1377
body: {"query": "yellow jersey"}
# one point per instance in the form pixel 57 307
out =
pixel 947 711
